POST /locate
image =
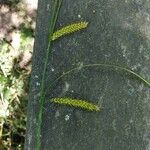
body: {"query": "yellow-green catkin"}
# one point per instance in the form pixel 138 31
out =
pixel 76 103
pixel 69 29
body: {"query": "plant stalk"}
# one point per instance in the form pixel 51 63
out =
pixel 57 5
pixel 103 66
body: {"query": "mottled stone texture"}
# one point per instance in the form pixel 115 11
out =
pixel 118 33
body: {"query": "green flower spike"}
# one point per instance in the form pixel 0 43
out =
pixel 76 103
pixel 69 29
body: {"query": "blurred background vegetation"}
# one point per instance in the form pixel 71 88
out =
pixel 17 25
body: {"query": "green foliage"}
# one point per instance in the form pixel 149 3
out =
pixel 26 32
pixel 10 3
pixel 13 92
pixel 14 79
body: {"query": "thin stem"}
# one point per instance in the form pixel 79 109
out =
pixel 1 129
pixel 104 66
pixel 57 5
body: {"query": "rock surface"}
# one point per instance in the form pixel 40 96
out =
pixel 118 33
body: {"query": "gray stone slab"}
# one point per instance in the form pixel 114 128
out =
pixel 118 33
